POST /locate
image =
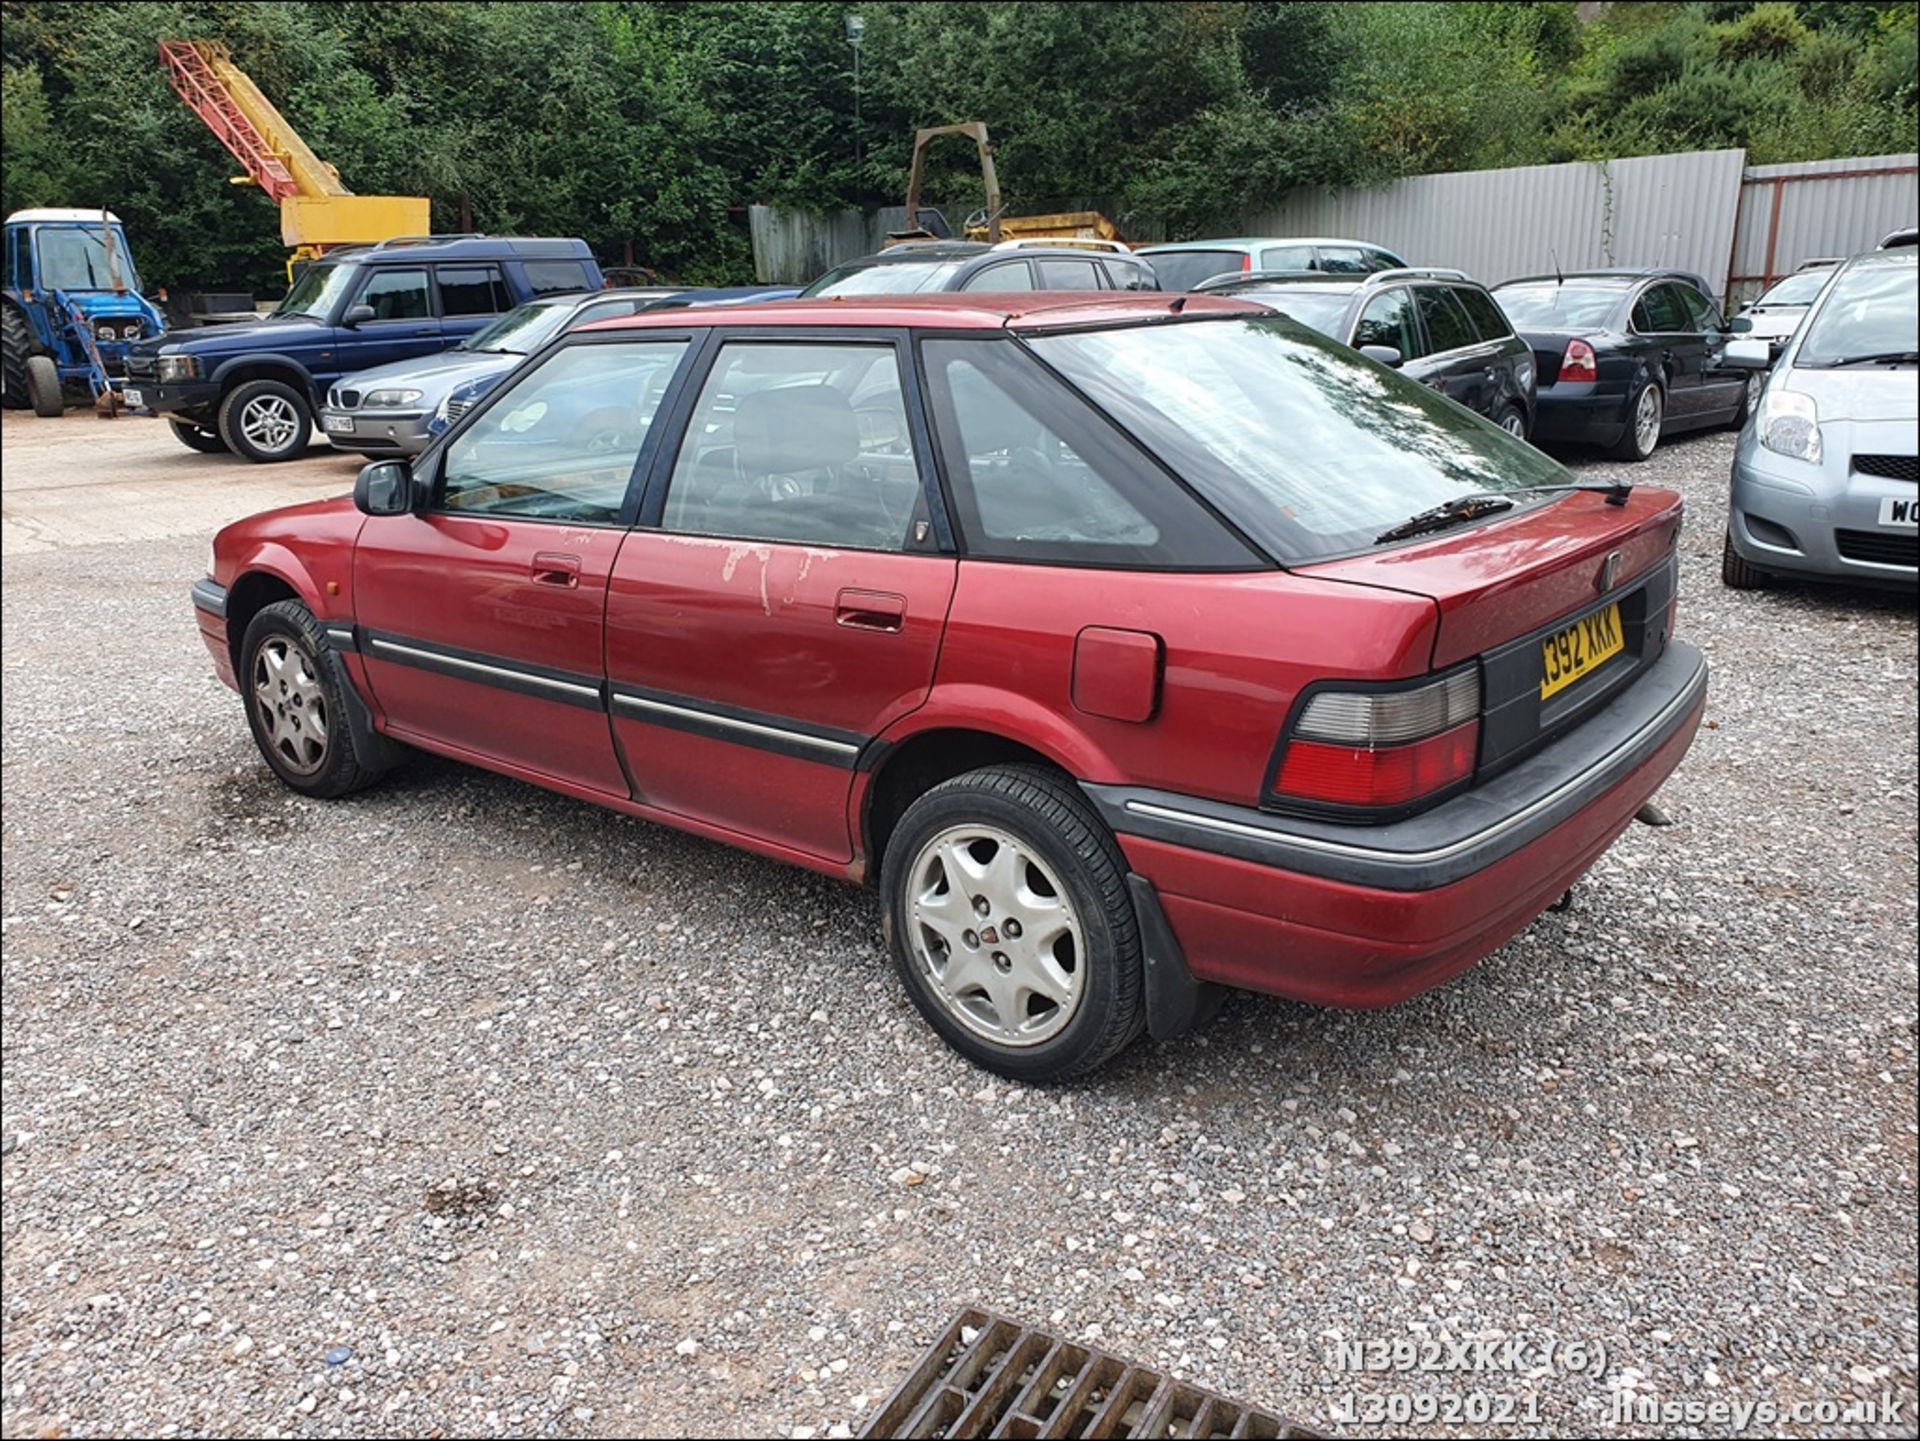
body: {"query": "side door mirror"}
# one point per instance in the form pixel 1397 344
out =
pixel 1749 355
pixel 384 487
pixel 1740 324
pixel 1386 355
pixel 358 315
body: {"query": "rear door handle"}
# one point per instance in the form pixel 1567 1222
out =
pixel 552 568
pixel 870 610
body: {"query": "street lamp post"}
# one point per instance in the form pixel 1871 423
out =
pixel 856 27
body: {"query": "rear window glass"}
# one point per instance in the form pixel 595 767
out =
pixel 1344 260
pixel 1185 269
pixel 901 277
pixel 1068 275
pixel 1447 325
pixel 1660 312
pixel 1287 257
pixel 1312 450
pixel 550 277
pixel 1536 306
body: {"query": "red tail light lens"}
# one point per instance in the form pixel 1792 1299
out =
pixel 1579 363
pixel 1246 260
pixel 1382 750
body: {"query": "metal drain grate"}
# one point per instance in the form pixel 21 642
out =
pixel 988 1376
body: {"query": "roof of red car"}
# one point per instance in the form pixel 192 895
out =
pixel 1012 310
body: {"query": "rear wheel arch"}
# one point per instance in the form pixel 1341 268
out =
pixel 913 766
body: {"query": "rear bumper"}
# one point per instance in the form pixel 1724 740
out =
pixel 1350 916
pixel 1574 414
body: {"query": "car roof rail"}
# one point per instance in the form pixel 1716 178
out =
pixel 397 240
pixel 1066 242
pixel 1420 272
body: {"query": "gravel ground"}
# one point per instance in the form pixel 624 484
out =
pixel 463 1107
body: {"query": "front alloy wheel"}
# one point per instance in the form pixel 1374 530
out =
pixel 289 704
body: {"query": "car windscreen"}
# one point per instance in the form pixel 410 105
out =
pixel 899 277
pixel 1799 288
pixel 317 290
pixel 1547 306
pixel 521 331
pixel 72 258
pixel 1326 313
pixel 1186 269
pixel 1870 313
pixel 1310 449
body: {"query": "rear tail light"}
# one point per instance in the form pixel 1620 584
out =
pixel 1579 363
pixel 1381 750
pixel 1246 260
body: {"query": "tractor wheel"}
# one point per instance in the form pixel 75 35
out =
pixel 43 387
pixel 17 345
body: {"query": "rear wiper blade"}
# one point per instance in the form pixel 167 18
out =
pixel 1487 502
pixel 1454 512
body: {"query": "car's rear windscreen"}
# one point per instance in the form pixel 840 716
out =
pixel 1548 306
pixel 1185 269
pixel 899 277
pixel 1311 449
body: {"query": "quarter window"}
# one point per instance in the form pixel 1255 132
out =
pixel 1388 320
pixel 561 442
pixel 1487 318
pixel 803 442
pixel 555 277
pixel 1036 476
pixel 472 290
pixel 1447 325
pixel 398 295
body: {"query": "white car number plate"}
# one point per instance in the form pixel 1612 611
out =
pixel 338 424
pixel 132 397
pixel 1902 512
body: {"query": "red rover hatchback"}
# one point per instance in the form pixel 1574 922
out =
pixel 1137 646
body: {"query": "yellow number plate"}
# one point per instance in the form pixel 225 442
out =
pixel 1579 649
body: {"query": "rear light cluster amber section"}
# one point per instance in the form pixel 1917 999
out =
pixel 1382 750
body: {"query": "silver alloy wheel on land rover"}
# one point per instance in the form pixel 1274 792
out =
pixel 993 931
pixel 291 707
pixel 269 422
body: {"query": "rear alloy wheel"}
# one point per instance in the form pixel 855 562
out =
pixel 1644 417
pixel 1008 916
pixel 43 387
pixel 194 437
pixel 1513 420
pixel 1736 572
pixel 265 420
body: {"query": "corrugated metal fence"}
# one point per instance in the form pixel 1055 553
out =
pixel 1703 211
pixel 1794 213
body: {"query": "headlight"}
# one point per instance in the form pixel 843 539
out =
pixel 383 399
pixel 1789 424
pixel 178 367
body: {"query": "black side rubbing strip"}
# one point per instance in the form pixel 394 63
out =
pixel 543 682
pixel 758 729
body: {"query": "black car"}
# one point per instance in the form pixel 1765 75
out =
pixel 1626 357
pixel 926 267
pixel 1436 325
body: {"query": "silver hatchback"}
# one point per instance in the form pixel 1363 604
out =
pixel 1826 476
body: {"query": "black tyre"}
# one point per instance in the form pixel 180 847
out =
pixel 43 387
pixel 16 344
pixel 1512 419
pixel 193 437
pixel 1008 916
pixel 1736 573
pixel 295 692
pixel 265 420
pixel 1646 411
pixel 1749 399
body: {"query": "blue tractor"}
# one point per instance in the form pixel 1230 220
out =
pixel 71 307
